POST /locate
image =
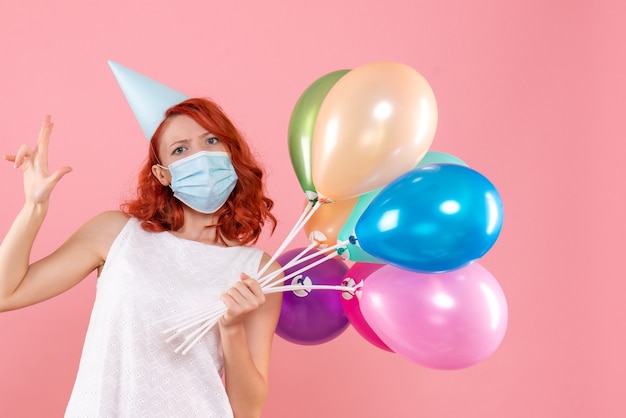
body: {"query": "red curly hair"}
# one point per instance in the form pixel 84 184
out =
pixel 247 209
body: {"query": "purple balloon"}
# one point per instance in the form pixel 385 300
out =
pixel 444 321
pixel 316 316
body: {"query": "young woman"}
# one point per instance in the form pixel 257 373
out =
pixel 181 244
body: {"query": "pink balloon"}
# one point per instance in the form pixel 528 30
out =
pixel 444 321
pixel 357 274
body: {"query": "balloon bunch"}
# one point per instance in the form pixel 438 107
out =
pixel 412 221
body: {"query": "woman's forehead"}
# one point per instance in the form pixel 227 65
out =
pixel 179 128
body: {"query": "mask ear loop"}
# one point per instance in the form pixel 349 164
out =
pixel 157 157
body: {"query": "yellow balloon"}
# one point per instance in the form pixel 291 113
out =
pixel 374 124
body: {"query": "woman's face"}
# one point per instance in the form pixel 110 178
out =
pixel 182 137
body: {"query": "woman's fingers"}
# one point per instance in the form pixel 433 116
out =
pixel 40 153
pixel 253 286
pixel 243 297
pixel 58 175
pixel 235 296
pixel 38 182
pixel 22 154
pixel 43 140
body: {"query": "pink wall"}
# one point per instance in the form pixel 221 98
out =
pixel 531 93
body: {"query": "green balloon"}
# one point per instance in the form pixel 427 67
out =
pixel 301 126
pixel 355 253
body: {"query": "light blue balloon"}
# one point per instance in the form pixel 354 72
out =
pixel 432 219
pixel 353 251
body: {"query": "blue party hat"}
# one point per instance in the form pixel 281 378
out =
pixel 147 98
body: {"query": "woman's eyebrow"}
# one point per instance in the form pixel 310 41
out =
pixel 179 142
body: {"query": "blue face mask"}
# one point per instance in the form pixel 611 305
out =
pixel 203 181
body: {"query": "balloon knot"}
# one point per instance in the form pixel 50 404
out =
pixel 352 239
pixel 311 196
pixel 340 250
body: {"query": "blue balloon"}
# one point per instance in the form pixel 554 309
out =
pixel 432 219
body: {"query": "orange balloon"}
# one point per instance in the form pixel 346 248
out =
pixel 329 219
pixel 375 124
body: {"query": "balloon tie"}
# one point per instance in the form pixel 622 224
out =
pixel 352 239
pixel 323 199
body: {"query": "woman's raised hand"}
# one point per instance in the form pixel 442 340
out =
pixel 38 182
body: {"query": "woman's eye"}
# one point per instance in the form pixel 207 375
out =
pixel 178 150
pixel 212 140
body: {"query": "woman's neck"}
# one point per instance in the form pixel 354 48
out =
pixel 200 227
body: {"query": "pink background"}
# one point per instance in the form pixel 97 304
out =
pixel 530 93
